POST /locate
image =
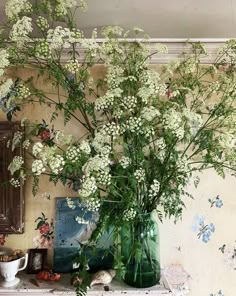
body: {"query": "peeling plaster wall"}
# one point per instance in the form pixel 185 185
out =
pixel 209 272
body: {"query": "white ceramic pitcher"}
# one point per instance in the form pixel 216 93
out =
pixel 8 271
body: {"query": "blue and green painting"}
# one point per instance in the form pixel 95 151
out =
pixel 70 235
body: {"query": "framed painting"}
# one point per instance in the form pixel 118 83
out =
pixel 37 260
pixel 70 234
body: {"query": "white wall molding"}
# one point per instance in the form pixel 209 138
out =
pixel 175 48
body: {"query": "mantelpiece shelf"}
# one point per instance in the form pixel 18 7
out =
pixel 63 287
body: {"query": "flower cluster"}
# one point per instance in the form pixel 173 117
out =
pixel 154 189
pixel 81 220
pixel 20 31
pixel 59 37
pixel 88 187
pixel 42 23
pixel 149 113
pixel 38 167
pixel 72 154
pixel 15 182
pixel 92 204
pixel 73 66
pixel 172 121
pixel 14 8
pixel 70 203
pixel 5 87
pixel 125 161
pixel 16 164
pixel 63 6
pixel 56 164
pixel 4 61
pixel 140 175
pixel 129 214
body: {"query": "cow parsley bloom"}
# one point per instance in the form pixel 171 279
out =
pixel 16 164
pixel 5 87
pixel 4 61
pixel 56 164
pixel 140 175
pixel 149 113
pixel 172 121
pixel 129 214
pixel 15 7
pixel 85 147
pixel 88 187
pixel 20 30
pixel 125 161
pixel 37 148
pixel 38 167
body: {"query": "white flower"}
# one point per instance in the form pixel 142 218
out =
pixel 73 66
pixel 37 148
pixel 42 23
pixel 134 125
pixel 104 178
pixel 62 37
pixel 125 161
pixel 85 147
pixel 129 103
pixel 63 5
pixel 20 30
pixel 111 31
pixel 5 87
pixel 92 204
pixel 16 139
pixel 149 113
pixel 100 141
pixel 16 164
pixel 139 175
pixel 62 139
pixel 151 86
pixel 70 203
pixel 112 129
pixel 88 187
pixel 56 164
pixel 161 48
pixel 81 220
pixel 227 141
pixel 15 182
pixel 4 62
pixel 194 120
pixel 154 189
pixel 96 163
pixel 160 143
pixel 172 121
pixel 72 154
pixel 38 167
pixel 129 214
pixel 15 7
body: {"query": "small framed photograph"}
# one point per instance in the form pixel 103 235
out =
pixel 37 260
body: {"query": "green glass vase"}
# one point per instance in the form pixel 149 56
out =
pixel 140 251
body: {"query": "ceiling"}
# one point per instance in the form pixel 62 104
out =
pixel 161 19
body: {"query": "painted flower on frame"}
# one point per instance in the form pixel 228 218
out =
pixel 46 230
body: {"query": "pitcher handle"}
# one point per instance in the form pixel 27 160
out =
pixel 25 264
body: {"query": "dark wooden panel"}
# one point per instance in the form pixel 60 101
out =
pixel 11 199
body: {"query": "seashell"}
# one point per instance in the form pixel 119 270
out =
pixel 103 277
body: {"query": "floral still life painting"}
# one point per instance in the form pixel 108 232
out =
pixel 73 228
